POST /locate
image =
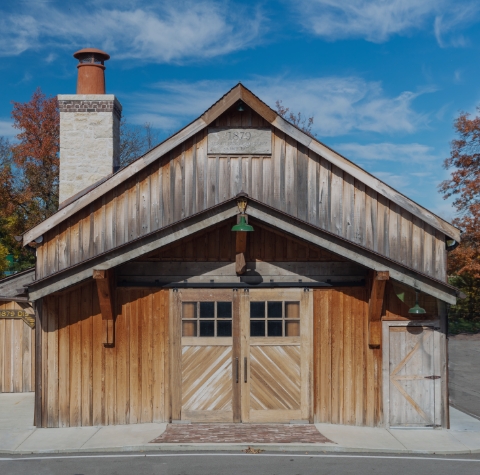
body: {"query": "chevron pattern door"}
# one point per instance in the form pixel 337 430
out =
pixel 245 356
pixel 277 334
pixel 206 387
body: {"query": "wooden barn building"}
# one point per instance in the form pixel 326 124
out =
pixel 149 307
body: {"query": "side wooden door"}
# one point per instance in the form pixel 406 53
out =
pixel 203 385
pixel 276 355
pixel 414 379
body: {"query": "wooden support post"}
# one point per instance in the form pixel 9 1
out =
pixel 375 309
pixel 240 250
pixel 105 289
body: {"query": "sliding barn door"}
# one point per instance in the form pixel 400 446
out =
pixel 277 343
pixel 414 379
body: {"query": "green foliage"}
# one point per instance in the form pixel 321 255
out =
pixel 460 325
pixel 465 316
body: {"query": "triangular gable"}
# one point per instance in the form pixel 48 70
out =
pixel 225 211
pixel 239 92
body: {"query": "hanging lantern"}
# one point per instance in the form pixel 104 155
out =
pixel 416 308
pixel 240 106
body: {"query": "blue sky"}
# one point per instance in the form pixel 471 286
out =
pixel 384 79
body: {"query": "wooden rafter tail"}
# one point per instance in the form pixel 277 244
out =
pixel 375 308
pixel 105 289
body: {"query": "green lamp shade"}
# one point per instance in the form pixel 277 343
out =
pixel 417 309
pixel 242 225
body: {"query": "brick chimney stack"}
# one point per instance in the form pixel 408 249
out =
pixel 89 127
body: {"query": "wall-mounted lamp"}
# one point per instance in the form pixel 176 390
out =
pixel 242 206
pixel 451 244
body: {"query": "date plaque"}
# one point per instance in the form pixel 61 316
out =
pixel 240 140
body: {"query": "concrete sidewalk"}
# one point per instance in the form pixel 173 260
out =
pixel 18 436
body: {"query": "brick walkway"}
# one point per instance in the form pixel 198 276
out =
pixel 241 433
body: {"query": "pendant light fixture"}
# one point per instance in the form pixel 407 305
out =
pixel 416 309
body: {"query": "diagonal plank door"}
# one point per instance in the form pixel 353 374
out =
pixel 412 378
pixel 276 344
pixel 206 388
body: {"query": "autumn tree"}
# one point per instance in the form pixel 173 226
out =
pixel 464 186
pixel 298 119
pixel 29 172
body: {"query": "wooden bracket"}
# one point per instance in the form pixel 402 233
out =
pixel 105 288
pixel 375 309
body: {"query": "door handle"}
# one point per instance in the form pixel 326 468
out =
pixel 245 368
pixel 236 372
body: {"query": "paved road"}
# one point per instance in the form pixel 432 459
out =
pixel 239 464
pixel 464 373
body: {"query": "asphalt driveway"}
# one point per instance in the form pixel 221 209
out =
pixel 464 373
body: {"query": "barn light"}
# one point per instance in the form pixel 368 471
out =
pixel 240 106
pixel 451 244
pixel 242 225
pixel 417 309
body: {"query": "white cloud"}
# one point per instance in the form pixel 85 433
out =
pixel 340 105
pixel 6 128
pixel 378 20
pixel 385 151
pixel 161 32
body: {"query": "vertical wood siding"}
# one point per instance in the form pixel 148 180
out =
pixel 293 179
pixel 17 353
pixel 86 383
pixel 347 373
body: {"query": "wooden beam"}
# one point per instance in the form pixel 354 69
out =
pixel 105 288
pixel 240 251
pixel 375 307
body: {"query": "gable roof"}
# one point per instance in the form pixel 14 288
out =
pixel 240 92
pixel 226 210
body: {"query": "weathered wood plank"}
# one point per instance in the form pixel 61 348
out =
pixel 86 354
pixel 63 361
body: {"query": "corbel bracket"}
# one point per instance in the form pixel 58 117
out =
pixel 375 308
pixel 105 289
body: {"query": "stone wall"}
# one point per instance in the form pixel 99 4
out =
pixel 89 140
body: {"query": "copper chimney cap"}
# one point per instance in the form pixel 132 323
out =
pixel 91 70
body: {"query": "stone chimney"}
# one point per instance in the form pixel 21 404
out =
pixel 89 127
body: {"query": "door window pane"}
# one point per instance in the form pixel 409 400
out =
pixel 207 309
pixel 274 309
pixel 189 328
pixel 292 309
pixel 224 328
pixel 189 310
pixel 274 328
pixel 257 309
pixel 207 328
pixel 257 327
pixel 224 309
pixel 292 328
